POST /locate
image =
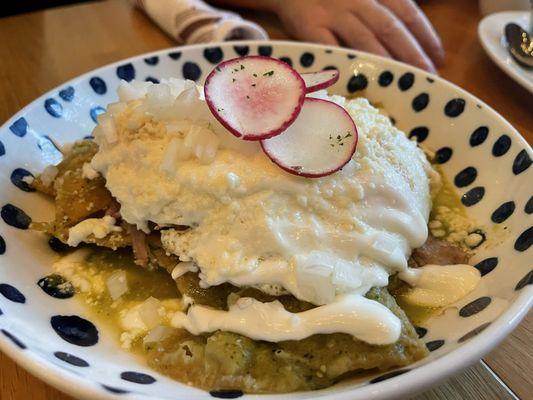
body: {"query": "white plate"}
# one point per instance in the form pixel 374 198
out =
pixel 465 133
pixel 490 31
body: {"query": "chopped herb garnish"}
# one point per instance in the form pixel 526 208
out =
pixel 255 75
pixel 339 139
pixel 233 80
pixel 247 97
pixel 269 73
pixel 242 66
pixel 253 84
pixel 297 168
pixel 217 69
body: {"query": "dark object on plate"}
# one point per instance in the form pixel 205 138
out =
pixel 519 44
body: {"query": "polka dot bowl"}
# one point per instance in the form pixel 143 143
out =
pixel 482 154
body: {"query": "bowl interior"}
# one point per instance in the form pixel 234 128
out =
pixel 465 134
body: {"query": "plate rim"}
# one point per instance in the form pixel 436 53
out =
pixel 484 27
pixel 420 378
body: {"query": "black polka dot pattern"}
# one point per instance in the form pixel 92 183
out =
pixel 19 177
pixel 264 51
pixel 213 54
pixel 226 394
pixel 75 330
pixel 175 55
pixel 421 332
pixel 241 50
pixel 525 240
pixel 2 245
pixel 151 79
pixel 466 177
pixel 420 133
pixel 12 293
pixel 528 208
pixel 152 60
pixel 521 162
pixel 95 112
pixel 286 60
pixel 385 78
pixel 501 146
pixel 454 108
pixel 473 332
pixel 15 217
pixel 191 70
pixel 126 72
pixel 357 82
pixel 137 377
pixel 307 59
pixel 98 85
pixel 503 212
pixel 389 375
pixel 70 359
pixel 406 81
pixel 435 344
pixel 475 307
pixel 420 102
pixel 329 67
pixel 67 94
pixel 487 265
pixel 56 286
pixel 114 390
pixel 479 136
pixel 53 107
pixel 16 341
pixel 473 196
pixel 48 147
pixel 19 127
pixel 351 56
pixel 443 155
pixel 526 280
pixel 57 245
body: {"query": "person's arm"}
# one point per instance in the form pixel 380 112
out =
pixel 394 28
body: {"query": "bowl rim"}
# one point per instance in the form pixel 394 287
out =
pixel 418 378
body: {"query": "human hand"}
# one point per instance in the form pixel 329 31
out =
pixel 392 28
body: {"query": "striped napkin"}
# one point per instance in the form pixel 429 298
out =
pixel 193 21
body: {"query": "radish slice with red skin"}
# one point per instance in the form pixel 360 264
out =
pixel 320 142
pixel 320 80
pixel 254 97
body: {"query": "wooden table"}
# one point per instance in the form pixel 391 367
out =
pixel 38 51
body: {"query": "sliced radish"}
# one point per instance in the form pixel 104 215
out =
pixel 320 80
pixel 254 97
pixel 321 140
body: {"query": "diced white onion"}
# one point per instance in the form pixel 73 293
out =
pixel 117 284
pixel 157 334
pixel 149 312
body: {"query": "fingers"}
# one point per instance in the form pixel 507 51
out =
pixel 393 34
pixel 355 34
pixel 416 21
pixel 322 35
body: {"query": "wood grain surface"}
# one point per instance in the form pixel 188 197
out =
pixel 41 50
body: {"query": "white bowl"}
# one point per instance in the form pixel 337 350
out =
pixel 462 130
